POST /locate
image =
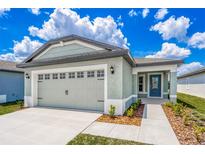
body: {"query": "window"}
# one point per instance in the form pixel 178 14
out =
pixel 155 83
pixel 40 77
pixel 47 76
pixel 80 74
pixel 90 74
pixel 141 83
pixel 100 73
pixel 71 75
pixel 55 76
pixel 62 75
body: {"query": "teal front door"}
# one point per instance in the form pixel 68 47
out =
pixel 155 85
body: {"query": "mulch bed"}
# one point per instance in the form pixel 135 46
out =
pixel 185 134
pixel 135 120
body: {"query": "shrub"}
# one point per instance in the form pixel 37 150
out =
pixel 169 104
pixel 112 110
pixel 178 109
pixel 139 101
pixel 134 106
pixel 130 112
pixel 198 131
pixel 186 118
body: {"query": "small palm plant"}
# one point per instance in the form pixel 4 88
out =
pixel 112 111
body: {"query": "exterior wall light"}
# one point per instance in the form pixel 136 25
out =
pixel 27 76
pixel 112 70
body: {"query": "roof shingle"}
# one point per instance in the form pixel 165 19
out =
pixel 9 66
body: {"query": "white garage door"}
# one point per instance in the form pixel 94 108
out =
pixel 77 90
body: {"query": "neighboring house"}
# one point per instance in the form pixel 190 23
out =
pixel 192 83
pixel 11 82
pixel 76 72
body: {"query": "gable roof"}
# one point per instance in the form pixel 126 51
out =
pixel 108 51
pixel 199 71
pixel 156 61
pixel 70 38
pixel 9 66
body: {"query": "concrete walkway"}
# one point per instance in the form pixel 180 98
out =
pixel 155 128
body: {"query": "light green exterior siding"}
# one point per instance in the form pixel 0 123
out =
pixel 127 84
pixel 66 51
pixel 127 79
pixel 134 84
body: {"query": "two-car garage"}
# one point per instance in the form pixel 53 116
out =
pixel 74 89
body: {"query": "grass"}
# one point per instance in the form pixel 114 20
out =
pixel 86 139
pixel 10 107
pixel 193 102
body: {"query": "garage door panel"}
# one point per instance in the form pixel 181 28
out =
pixel 83 93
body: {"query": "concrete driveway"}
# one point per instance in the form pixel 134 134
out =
pixel 43 125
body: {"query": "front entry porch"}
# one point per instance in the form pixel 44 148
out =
pixel 156 84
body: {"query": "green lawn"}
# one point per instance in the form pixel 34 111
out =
pixel 86 139
pixel 10 107
pixel 196 103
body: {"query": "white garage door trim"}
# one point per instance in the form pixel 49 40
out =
pixel 34 75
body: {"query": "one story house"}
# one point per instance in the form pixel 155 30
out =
pixel 192 83
pixel 11 82
pixel 80 73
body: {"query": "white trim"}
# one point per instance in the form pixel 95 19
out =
pixel 3 98
pixel 34 85
pixel 172 68
pixel 141 75
pixel 60 44
pixel 28 101
pixel 162 84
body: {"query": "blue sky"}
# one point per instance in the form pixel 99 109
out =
pixel 155 33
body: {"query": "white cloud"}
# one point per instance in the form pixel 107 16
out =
pixel 3 11
pixel 145 13
pixel 197 40
pixel 11 57
pixel 171 50
pixel 25 47
pixel 21 49
pixel 173 28
pixel 132 13
pixel 35 11
pixel 64 22
pixel 119 21
pixel 161 13
pixel 186 68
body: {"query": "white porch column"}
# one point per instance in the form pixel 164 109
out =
pixel 173 86
pixel 135 85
